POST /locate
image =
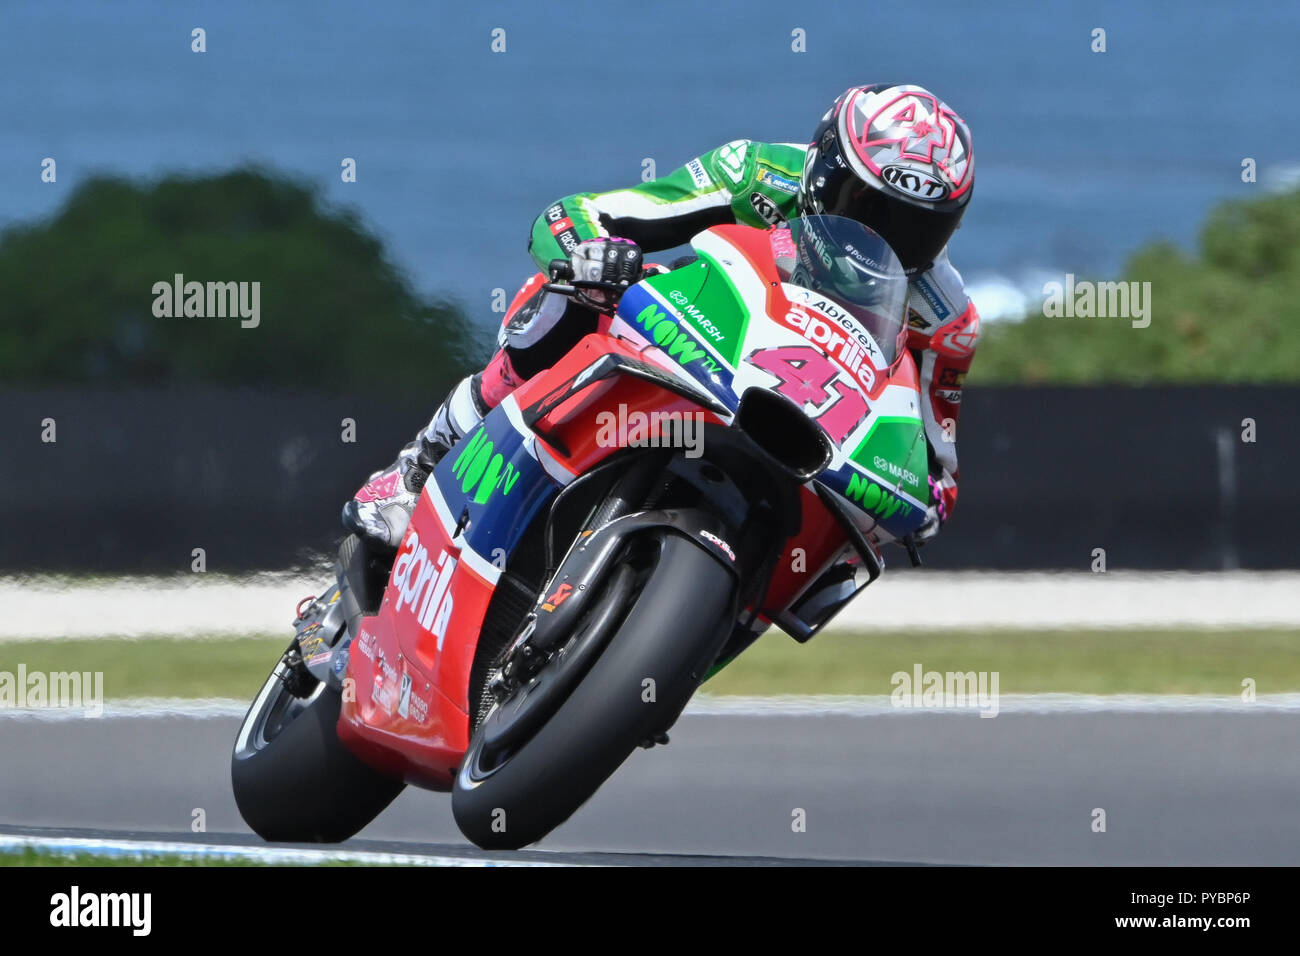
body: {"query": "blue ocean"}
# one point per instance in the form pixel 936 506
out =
pixel 1082 156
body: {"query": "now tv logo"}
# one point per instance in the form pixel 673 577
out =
pixel 423 585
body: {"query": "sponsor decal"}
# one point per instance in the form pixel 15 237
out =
pixel 383 691
pixel 915 320
pixel 687 308
pixel 698 174
pixel 410 704
pixel 731 160
pixel 366 644
pixel 923 287
pixel 341 658
pixel 385 486
pixel 423 585
pixel 849 351
pixel 561 225
pixel 915 183
pixel 722 545
pixel 664 332
pixel 320 658
pixel 559 597
pixel 483 471
pixel 568 241
pixel 874 499
pixel 770 178
pixel 766 209
pixel 783 245
pixel 554 213
pixel 951 396
pixel 404 696
pixel 898 471
pixel 309 639
pixel 952 378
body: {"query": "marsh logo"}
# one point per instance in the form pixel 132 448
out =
pixel 130 910
pixel 422 584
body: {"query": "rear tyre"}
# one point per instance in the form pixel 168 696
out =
pixel 294 780
pixel 635 690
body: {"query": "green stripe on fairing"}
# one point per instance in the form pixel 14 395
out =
pixel 904 452
pixel 734 304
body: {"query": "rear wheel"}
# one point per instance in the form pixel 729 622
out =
pixel 294 780
pixel 518 781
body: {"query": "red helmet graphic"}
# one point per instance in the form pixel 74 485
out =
pixel 896 159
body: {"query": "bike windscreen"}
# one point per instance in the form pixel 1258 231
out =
pixel 854 268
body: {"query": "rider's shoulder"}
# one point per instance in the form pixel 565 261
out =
pixel 732 163
pixel 941 288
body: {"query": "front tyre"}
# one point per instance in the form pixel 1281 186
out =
pixel 294 780
pixel 635 690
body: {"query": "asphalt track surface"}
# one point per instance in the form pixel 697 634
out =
pixel 1177 789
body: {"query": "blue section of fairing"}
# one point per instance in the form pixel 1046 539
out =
pixel 894 514
pixel 490 473
pixel 684 347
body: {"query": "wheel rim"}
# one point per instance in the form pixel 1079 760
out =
pixel 274 708
pixel 508 726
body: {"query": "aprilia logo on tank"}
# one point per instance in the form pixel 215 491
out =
pixel 77 909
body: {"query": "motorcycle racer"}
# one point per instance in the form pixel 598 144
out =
pixel 892 157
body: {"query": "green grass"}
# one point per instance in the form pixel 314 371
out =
pixel 157 667
pixel 1081 661
pixel 30 856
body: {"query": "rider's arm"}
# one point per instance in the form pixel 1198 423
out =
pixel 660 214
pixel 943 332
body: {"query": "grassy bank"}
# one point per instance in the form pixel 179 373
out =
pixel 1154 661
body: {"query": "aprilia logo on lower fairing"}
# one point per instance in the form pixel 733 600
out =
pixel 422 583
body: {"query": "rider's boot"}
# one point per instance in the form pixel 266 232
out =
pixel 380 511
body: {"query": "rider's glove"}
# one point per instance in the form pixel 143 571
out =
pixel 935 515
pixel 617 261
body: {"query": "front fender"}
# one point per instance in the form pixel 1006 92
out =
pixel 593 552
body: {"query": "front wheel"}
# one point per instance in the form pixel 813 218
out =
pixel 294 780
pixel 634 690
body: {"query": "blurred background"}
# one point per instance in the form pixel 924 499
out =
pixel 1149 143
pixel 127 157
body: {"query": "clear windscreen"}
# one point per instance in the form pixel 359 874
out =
pixel 854 268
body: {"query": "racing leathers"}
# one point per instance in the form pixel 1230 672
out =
pixel 746 182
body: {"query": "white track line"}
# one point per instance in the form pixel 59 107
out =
pixel 203 605
pixel 792 706
pixel 143 849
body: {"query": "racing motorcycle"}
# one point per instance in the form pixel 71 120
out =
pixel 576 567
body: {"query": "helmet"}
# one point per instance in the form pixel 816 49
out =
pixel 896 159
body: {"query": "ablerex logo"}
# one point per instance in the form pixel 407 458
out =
pixel 664 332
pixel 482 470
pixel 422 583
pixel 853 350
